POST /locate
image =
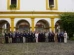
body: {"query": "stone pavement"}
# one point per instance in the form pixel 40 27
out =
pixel 37 48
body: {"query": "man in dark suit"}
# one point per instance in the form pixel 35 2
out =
pixel 24 37
pixel 49 37
pixel 39 37
pixel 31 37
pixel 14 37
pixel 62 36
pixel 52 36
pixel 43 37
pixel 58 37
pixel 10 37
pixel 18 37
pixel 6 37
pixel 21 37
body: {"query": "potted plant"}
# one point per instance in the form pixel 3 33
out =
pixel 51 6
pixel 13 6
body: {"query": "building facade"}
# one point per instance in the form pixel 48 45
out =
pixel 32 14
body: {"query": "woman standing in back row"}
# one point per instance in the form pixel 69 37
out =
pixel 65 37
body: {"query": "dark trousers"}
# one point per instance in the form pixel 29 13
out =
pixel 50 39
pixel 59 39
pixel 18 40
pixel 21 39
pixel 62 39
pixel 6 39
pixel 13 40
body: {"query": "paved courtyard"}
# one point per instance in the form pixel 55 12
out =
pixel 37 48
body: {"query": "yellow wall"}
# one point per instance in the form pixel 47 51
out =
pixel 32 25
pixel 32 17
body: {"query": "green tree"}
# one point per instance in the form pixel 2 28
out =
pixel 67 23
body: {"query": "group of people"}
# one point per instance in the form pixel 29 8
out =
pixel 23 37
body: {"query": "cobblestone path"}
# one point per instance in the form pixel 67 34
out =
pixel 37 48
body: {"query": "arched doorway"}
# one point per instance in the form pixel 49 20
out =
pixel 58 26
pixel 4 26
pixel 23 25
pixel 42 25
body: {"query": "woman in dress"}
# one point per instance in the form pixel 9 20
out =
pixel 65 37
pixel 36 36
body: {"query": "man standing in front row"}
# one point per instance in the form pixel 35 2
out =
pixel 10 37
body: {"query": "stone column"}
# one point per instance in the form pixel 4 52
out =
pixel 32 19
pixel 12 24
pixel 52 24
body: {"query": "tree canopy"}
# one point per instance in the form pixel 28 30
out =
pixel 68 23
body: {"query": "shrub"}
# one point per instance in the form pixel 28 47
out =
pixel 72 38
pixel 1 35
pixel 12 6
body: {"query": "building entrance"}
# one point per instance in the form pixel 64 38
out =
pixel 23 25
pixel 4 26
pixel 42 25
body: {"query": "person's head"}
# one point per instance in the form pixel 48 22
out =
pixel 65 31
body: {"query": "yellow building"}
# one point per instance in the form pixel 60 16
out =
pixel 25 15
